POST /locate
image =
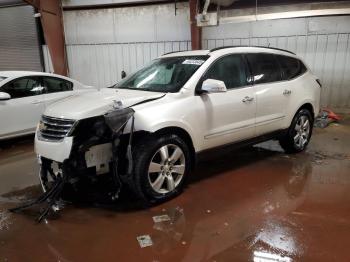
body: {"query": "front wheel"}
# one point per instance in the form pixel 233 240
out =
pixel 161 167
pixel 299 132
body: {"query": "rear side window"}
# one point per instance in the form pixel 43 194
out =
pixel 54 85
pixel 230 69
pixel 264 67
pixel 291 67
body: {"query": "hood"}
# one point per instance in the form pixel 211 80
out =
pixel 96 103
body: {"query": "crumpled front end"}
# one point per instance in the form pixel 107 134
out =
pixel 85 153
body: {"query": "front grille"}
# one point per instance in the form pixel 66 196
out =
pixel 55 129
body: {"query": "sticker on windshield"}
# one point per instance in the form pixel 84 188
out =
pixel 192 62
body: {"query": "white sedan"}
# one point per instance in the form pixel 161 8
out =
pixel 25 95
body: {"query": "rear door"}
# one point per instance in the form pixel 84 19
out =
pixel 56 89
pixel 294 88
pixel 230 116
pixel 22 112
pixel 271 101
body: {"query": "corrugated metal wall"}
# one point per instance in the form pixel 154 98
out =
pixel 103 42
pixel 19 46
pixel 323 42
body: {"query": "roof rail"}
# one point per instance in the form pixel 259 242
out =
pixel 175 52
pixel 233 46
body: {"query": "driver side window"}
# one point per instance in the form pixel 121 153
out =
pixel 23 87
pixel 230 69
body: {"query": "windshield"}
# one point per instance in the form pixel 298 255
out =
pixel 164 74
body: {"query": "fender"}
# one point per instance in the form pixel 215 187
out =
pixel 295 110
pixel 153 127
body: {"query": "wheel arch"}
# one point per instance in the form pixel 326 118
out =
pixel 307 106
pixel 183 134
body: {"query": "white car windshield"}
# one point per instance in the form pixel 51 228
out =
pixel 164 74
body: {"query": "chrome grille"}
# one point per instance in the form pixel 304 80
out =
pixel 55 129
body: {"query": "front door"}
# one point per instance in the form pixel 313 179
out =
pixel 229 116
pixel 21 113
pixel 271 103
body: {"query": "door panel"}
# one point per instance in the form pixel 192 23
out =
pixel 22 112
pixel 230 116
pixel 267 77
pixel 271 107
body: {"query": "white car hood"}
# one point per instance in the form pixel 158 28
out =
pixel 96 103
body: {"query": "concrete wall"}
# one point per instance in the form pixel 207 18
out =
pixel 323 42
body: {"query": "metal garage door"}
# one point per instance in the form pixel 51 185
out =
pixel 19 46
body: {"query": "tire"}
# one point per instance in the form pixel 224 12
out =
pixel 296 139
pixel 170 176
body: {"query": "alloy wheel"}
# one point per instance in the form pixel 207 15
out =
pixel 166 169
pixel 302 129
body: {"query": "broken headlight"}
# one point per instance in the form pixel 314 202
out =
pixel 118 118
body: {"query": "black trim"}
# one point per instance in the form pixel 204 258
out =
pixel 175 52
pixel 319 82
pixel 237 46
pixel 248 142
pixel 147 100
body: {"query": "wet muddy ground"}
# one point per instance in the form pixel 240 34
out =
pixel 256 204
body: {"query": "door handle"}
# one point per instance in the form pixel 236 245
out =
pixel 247 99
pixel 287 92
pixel 35 102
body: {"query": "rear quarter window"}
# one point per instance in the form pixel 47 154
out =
pixel 54 85
pixel 291 67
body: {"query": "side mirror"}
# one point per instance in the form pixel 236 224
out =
pixel 213 86
pixel 4 96
pixel 123 74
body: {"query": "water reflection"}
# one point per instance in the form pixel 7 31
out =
pixel 257 223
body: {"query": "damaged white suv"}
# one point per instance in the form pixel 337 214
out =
pixel 146 131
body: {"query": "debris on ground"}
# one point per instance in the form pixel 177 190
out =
pixel 325 118
pixel 145 241
pixel 169 227
pixel 4 220
pixel 161 218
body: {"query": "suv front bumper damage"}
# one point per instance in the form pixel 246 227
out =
pixel 92 150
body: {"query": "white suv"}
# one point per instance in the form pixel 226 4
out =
pixel 146 131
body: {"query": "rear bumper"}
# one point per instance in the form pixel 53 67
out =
pixel 57 151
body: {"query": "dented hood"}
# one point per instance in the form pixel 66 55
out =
pixel 97 103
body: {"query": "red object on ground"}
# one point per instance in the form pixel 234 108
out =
pixel 332 115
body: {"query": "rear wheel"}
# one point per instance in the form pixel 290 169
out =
pixel 161 167
pixel 299 132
